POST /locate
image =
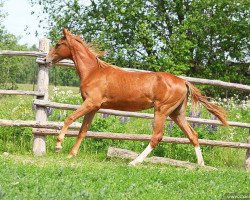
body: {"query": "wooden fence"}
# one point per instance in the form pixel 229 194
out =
pixel 42 127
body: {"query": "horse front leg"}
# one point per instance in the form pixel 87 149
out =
pixel 84 109
pixel 82 133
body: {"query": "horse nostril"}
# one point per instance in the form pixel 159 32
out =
pixel 46 60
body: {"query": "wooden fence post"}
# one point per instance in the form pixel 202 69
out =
pixel 39 143
pixel 247 163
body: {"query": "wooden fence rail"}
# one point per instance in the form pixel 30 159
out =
pixel 21 92
pixel 135 114
pixel 53 128
pixel 23 53
pixel 237 86
pixel 144 137
pixel 42 127
pixel 68 63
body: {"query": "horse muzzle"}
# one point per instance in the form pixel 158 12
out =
pixel 48 61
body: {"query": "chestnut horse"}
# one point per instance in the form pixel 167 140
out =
pixel 106 86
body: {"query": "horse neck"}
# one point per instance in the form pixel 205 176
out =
pixel 84 60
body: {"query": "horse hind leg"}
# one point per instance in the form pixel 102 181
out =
pixel 192 136
pixel 179 118
pixel 159 122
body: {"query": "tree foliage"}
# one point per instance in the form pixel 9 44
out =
pixel 202 38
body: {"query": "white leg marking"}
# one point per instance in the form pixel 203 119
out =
pixel 142 156
pixel 199 156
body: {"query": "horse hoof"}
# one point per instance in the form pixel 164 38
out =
pixel 201 164
pixel 132 164
pixel 70 156
pixel 58 149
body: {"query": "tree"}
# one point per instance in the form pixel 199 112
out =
pixel 204 38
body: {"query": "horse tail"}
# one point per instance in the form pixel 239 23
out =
pixel 197 97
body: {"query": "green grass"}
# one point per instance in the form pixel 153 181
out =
pixel 92 177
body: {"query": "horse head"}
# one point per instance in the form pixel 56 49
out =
pixel 61 50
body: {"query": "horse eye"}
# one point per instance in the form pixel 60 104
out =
pixel 57 45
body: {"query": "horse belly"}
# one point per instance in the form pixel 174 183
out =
pixel 128 104
pixel 129 92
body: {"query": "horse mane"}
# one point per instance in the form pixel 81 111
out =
pixel 104 64
pixel 93 49
pixel 90 46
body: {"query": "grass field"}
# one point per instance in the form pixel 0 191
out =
pixel 92 176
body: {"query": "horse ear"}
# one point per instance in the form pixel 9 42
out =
pixel 65 32
pixel 67 35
